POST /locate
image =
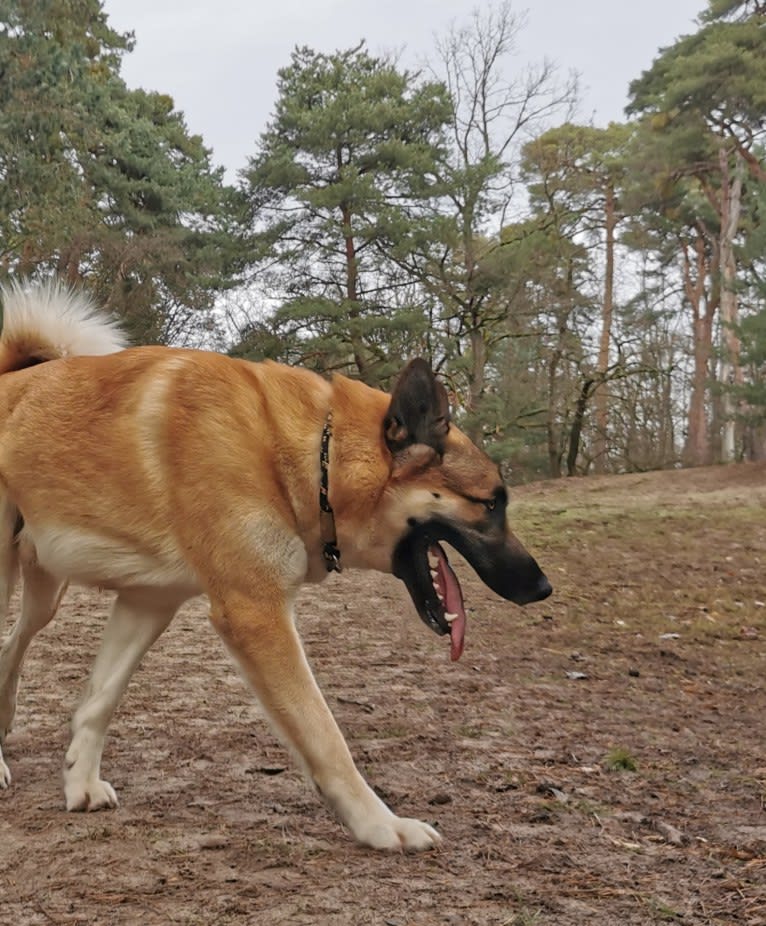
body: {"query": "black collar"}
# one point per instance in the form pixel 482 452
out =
pixel 327 531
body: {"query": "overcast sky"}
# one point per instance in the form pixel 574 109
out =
pixel 218 59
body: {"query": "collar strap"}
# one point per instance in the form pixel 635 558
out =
pixel 327 531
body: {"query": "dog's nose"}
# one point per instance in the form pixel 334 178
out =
pixel 544 588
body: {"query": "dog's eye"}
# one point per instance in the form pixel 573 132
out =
pixel 489 503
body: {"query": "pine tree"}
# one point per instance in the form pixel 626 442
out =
pixel 336 188
pixel 707 93
pixel 101 184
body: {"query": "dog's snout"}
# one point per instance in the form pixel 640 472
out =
pixel 536 588
pixel 543 590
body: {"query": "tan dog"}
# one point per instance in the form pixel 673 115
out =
pixel 165 474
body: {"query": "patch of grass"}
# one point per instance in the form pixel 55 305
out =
pixel 620 760
pixel 469 731
pixel 523 917
pixel 588 808
pixel 661 912
pixel 394 731
pixel 98 832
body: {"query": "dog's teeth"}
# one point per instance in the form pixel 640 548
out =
pixel 449 617
pixel 434 573
pixel 433 561
pixel 440 596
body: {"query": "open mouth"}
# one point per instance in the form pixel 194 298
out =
pixel 450 599
pixel 421 563
pixel 500 562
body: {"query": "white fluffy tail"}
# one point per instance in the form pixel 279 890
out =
pixel 50 320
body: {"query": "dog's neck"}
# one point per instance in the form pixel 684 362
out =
pixel 359 468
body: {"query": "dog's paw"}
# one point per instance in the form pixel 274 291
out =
pixel 5 773
pixel 399 834
pixel 90 795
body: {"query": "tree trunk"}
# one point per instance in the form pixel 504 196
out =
pixel 476 383
pixel 472 314
pixel 576 429
pixel 754 440
pixel 703 305
pixel 554 451
pixel 554 456
pixel 601 393
pixel 26 263
pixel 667 448
pixel 731 372
pixel 352 290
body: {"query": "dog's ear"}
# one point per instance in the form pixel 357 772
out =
pixel 419 410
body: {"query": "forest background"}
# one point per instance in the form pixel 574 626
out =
pixel 593 297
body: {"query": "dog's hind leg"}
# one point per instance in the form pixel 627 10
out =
pixel 8 575
pixel 9 555
pixel 264 642
pixel 136 621
pixel 39 601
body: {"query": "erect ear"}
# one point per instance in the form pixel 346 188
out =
pixel 419 410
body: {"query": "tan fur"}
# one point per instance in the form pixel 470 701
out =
pixel 163 474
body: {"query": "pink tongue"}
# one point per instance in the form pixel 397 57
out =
pixel 453 603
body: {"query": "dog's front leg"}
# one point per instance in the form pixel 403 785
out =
pixel 266 646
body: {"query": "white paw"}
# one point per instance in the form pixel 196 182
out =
pixel 5 773
pixel 90 795
pixel 401 834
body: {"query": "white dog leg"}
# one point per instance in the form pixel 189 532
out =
pixel 133 626
pixel 40 600
pixel 266 646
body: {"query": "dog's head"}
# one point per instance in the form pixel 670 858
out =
pixel 443 488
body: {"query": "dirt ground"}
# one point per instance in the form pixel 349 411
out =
pixel 598 758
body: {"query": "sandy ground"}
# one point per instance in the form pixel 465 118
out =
pixel 598 758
